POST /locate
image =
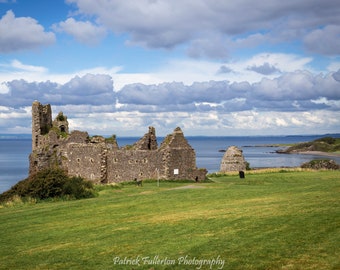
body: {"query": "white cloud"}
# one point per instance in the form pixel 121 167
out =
pixel 324 41
pixel 15 70
pixel 294 91
pixel 336 75
pixel 213 47
pixel 265 69
pixel 333 66
pixel 4 88
pixel 191 94
pixel 201 81
pixel 23 33
pixel 179 70
pixel 15 64
pixel 89 89
pixel 166 24
pixel 84 32
pixel 280 61
pixel 190 71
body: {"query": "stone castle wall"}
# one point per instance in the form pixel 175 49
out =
pixel 101 160
pixel 84 160
pixel 132 164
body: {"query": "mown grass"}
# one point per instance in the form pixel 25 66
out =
pixel 272 220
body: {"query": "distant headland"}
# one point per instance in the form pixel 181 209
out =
pixel 326 146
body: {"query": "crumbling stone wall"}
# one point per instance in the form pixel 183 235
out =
pixel 101 160
pixel 61 123
pixel 148 142
pixel 179 157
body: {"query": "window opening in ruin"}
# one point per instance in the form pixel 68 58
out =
pixel 62 128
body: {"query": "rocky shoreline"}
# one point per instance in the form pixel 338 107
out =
pixel 317 153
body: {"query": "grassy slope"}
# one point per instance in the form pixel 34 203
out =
pixel 322 145
pixel 269 221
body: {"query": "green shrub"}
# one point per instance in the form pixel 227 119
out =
pixel 61 117
pixel 337 148
pixel 112 139
pixel 78 188
pixel 50 183
pixel 328 140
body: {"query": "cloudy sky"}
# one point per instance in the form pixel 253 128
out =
pixel 212 67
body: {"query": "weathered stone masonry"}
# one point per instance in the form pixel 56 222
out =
pixel 233 160
pixel 102 160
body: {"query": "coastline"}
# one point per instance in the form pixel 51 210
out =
pixel 317 153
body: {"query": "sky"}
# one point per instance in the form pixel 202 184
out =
pixel 211 67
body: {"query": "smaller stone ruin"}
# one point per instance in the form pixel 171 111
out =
pixel 233 160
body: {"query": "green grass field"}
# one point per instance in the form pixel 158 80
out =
pixel 272 220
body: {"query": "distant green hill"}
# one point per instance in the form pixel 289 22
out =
pixel 325 144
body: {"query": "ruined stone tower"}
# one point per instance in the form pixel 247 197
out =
pixel 101 160
pixel 60 122
pixel 41 122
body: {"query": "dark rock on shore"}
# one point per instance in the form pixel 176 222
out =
pixel 321 164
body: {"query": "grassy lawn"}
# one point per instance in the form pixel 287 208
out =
pixel 272 220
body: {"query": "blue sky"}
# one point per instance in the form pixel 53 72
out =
pixel 211 67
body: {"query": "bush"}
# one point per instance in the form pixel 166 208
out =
pixel 328 140
pixel 50 183
pixel 78 188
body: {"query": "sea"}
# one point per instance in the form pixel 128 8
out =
pixel 259 152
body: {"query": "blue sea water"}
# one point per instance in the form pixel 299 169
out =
pixel 14 152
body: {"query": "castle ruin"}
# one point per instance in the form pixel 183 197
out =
pixel 101 160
